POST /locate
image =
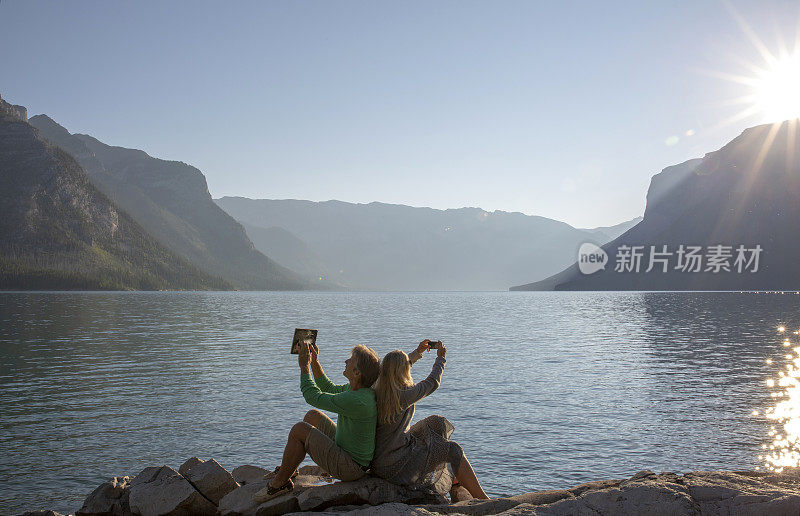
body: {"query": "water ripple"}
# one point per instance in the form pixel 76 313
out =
pixel 546 390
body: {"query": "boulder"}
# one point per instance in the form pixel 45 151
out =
pixel 212 480
pixel 248 474
pixel 645 493
pixel 239 502
pixel 644 500
pixel 190 463
pixel 109 499
pixel 313 470
pixel 387 509
pixel 310 470
pixel 459 494
pixel 316 492
pixel 723 492
pixel 542 497
pixel 368 490
pixel 593 486
pixel 476 507
pixel 162 491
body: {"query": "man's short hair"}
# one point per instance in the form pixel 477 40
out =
pixel 367 363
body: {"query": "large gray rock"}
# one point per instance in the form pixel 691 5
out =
pixel 476 507
pixel 316 492
pixel 387 509
pixel 109 499
pixel 162 491
pixel 646 493
pixel 248 474
pixel 314 470
pixel 189 464
pixel 744 493
pixel 239 502
pixel 212 480
pixel 369 490
pixel 459 494
pixel 644 500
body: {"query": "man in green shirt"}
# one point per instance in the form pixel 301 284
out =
pixel 345 448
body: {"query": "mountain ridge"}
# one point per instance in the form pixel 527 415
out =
pixel 743 194
pixel 383 246
pixel 57 231
pixel 170 199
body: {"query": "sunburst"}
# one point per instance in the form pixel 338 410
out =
pixel 773 82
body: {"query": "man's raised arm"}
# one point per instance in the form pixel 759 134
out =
pixel 347 403
pixel 308 385
pixel 320 378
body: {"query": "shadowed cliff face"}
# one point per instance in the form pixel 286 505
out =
pixel 170 199
pixel 746 193
pixel 58 231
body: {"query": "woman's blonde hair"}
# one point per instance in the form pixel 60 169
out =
pixel 395 374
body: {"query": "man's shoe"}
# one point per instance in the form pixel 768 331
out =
pixel 269 492
pixel 275 472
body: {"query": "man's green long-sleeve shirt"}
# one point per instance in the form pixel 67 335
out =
pixel 357 411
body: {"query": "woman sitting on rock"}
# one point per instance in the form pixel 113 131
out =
pixel 416 456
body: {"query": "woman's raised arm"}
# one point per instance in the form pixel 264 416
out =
pixel 417 353
pixel 416 392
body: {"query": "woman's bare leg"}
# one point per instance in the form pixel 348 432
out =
pixel 466 477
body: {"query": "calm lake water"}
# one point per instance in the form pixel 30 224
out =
pixel 546 390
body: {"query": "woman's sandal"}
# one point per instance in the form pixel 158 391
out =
pixel 269 492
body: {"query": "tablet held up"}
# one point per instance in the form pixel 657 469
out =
pixel 302 335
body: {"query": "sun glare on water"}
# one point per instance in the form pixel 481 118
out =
pixel 783 448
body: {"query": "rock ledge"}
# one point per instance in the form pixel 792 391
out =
pixel 205 487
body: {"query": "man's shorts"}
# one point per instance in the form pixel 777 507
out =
pixel 323 450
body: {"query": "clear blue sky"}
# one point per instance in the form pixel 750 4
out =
pixel 559 109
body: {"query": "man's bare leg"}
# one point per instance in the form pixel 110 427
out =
pixel 467 478
pixel 294 453
pixel 313 417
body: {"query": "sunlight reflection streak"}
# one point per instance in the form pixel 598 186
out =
pixel 784 450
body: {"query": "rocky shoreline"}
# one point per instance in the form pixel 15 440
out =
pixel 206 488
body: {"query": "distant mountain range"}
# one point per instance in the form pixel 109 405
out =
pixel 608 233
pixel 379 246
pixel 77 213
pixel 57 231
pixel 725 222
pixel 170 200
